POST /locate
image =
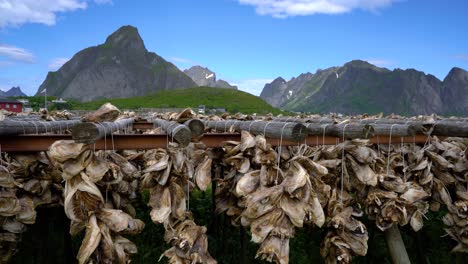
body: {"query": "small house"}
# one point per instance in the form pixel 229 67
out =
pixel 11 105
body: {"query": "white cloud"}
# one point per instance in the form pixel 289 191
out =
pixel 463 57
pixel 18 12
pixel 56 63
pixel 101 2
pixel 286 8
pixel 181 60
pixel 17 54
pixel 4 64
pixel 380 62
pixel 253 86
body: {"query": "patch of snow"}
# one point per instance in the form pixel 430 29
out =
pixel 337 76
pixel 290 92
pixel 208 76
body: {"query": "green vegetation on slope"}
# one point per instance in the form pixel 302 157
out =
pixel 232 100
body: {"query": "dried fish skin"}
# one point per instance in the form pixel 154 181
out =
pixel 63 150
pixel 296 177
pixel 247 141
pixel 274 249
pixel 82 197
pixel 294 209
pixel 362 172
pixel 262 226
pixel 160 202
pixel 90 242
pixel 106 113
pixel 315 213
pixel 178 201
pixel 123 249
pixel 203 174
pixel 27 214
pixel 262 201
pixel 6 178
pixel 248 183
pixel 9 205
pixel 414 193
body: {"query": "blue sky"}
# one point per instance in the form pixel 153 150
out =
pixel 247 42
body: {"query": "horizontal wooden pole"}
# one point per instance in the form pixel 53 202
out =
pixel 34 143
pixel 17 127
pixel 196 126
pixel 270 129
pixel 91 132
pixel 178 132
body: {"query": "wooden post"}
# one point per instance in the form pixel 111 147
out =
pixel 179 132
pixel 243 252
pixel 91 132
pixel 16 127
pixel 196 126
pixel 396 247
pixel 279 130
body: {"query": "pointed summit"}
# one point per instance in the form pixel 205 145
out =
pixel 121 67
pixel 203 76
pixel 126 37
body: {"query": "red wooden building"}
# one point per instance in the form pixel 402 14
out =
pixel 11 105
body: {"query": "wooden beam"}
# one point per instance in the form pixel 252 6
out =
pixel 17 127
pixel 91 132
pixel 196 126
pixel 178 132
pixel 289 131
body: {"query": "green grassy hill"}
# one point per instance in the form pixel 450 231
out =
pixel 232 100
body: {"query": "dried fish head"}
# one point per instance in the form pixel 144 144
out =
pixel 63 150
pixel 160 202
pixel 262 226
pixel 294 209
pixel 262 201
pixel 203 174
pixel 247 183
pixel 90 242
pixel 296 177
pixel 247 141
pixel 363 172
pixel 274 249
pixel 82 197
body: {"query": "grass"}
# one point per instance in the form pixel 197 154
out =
pixel 232 100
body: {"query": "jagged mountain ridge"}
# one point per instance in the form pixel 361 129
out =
pixel 359 87
pixel 14 91
pixel 205 77
pixel 121 67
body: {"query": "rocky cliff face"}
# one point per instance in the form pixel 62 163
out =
pixel 455 92
pixel 14 91
pixel 205 77
pixel 359 87
pixel 121 67
pixel 274 92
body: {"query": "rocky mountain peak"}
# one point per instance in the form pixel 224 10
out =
pixel 121 67
pixel 14 91
pixel 361 87
pixel 278 81
pixel 456 73
pixel 455 91
pixel 203 76
pixel 126 37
